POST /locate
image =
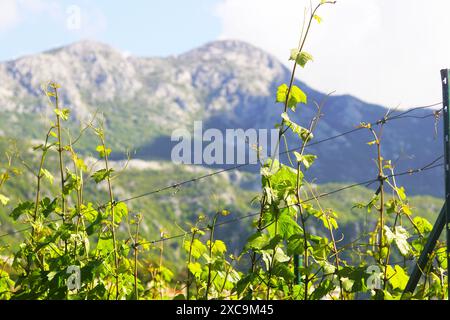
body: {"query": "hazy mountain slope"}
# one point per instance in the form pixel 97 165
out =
pixel 228 84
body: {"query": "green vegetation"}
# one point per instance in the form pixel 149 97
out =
pixel 80 233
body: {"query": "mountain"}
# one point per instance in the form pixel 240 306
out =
pixel 227 84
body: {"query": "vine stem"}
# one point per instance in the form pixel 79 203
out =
pixel 380 190
pixel 188 281
pixel 39 179
pixel 60 151
pixel 312 127
pixel 136 253
pixel 211 239
pixel 60 157
pixel 272 261
pixel 113 214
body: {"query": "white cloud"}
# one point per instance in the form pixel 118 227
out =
pixel 382 51
pixel 9 15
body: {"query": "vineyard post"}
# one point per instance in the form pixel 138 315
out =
pixel 446 102
pixel 444 216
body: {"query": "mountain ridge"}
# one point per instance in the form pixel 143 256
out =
pixel 227 84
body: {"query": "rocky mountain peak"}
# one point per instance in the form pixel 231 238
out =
pixel 86 49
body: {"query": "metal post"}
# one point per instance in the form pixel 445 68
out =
pixel 444 216
pixel 424 256
pixel 297 266
pixel 445 102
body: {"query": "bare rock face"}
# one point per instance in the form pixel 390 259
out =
pixel 206 79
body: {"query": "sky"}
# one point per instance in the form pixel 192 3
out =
pixel 387 52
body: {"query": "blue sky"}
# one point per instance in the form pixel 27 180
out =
pixel 142 27
pixel 382 51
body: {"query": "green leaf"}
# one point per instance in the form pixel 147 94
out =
pixel 89 212
pixel 63 113
pixel 423 225
pixel 283 271
pixel 23 208
pixel 441 255
pixel 45 173
pixel 296 96
pixel 48 206
pixel 105 243
pixel 280 256
pixel 406 209
pixel 102 151
pixel 296 244
pixel 400 237
pixel 303 133
pixel 4 199
pixel 307 160
pixel 218 246
pixel 287 226
pixel 301 58
pixel 397 277
pixel 79 163
pixel 282 93
pixel 401 193
pixel 347 284
pixel 257 241
pixel 327 217
pixel 73 182
pixel 120 211
pixel 102 174
pixel 195 268
pixel 198 248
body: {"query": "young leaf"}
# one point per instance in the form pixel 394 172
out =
pixel 48 206
pixel 101 175
pixel 120 211
pixel 397 277
pixel 400 237
pixel 195 268
pixel 22 208
pixel 296 96
pixel 47 175
pixel 303 133
pixel 347 284
pixel 102 151
pixel 218 246
pixel 282 93
pixel 198 248
pixel 301 58
pixel 4 199
pixel 258 241
pixel 280 256
pixel 63 114
pixel 423 225
pixel 318 18
pixel 307 160
pixel 401 193
pixel 296 244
